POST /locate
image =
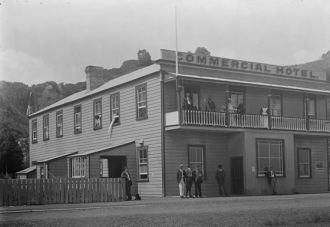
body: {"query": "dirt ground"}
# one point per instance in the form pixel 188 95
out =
pixel 288 210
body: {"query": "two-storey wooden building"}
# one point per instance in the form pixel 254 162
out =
pixel 243 115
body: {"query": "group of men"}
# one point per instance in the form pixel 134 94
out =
pixel 185 179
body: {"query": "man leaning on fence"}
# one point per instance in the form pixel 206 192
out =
pixel 128 182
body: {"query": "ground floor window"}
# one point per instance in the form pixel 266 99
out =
pixel 270 155
pixel 304 163
pixel 143 169
pixel 78 165
pixel 104 168
pixel 196 157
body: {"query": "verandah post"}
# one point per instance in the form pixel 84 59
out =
pixel 227 96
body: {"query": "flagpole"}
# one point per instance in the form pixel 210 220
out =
pixel 176 44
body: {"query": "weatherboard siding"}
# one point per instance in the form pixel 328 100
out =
pixel 319 180
pixel 129 129
pixel 57 168
pixel 176 152
pixel 127 150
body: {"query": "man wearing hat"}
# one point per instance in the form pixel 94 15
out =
pixel 180 178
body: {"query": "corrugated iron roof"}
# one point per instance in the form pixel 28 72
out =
pixel 305 89
pixel 56 157
pixel 27 170
pixel 115 145
pixel 110 84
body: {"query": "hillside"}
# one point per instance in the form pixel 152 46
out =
pixel 322 64
pixel 14 96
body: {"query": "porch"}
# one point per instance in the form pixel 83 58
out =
pixel 254 121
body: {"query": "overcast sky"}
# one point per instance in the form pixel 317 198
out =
pixel 55 40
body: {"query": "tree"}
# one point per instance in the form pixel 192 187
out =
pixel 11 156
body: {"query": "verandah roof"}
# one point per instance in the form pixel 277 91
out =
pixel 258 84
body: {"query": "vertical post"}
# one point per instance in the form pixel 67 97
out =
pixel 227 96
pixel 269 114
pixel 178 91
pixel 306 101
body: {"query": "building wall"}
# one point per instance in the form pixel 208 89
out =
pixel 58 168
pixel 235 149
pixel 170 97
pixel 321 107
pixel 254 99
pixel 128 130
pixel 319 180
pixel 127 150
pixel 293 104
pixel 176 152
pixel 258 185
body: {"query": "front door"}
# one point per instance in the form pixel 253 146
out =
pixel 237 179
pixel 116 165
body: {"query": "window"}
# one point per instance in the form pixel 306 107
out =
pixel 34 131
pixel 78 165
pixel 270 154
pixel 114 107
pixel 59 123
pixel 104 168
pixel 275 103
pixel 141 102
pixel 143 163
pixel 77 119
pixel 196 157
pixel 46 127
pixel 237 99
pixel 97 114
pixel 304 163
pixel 310 106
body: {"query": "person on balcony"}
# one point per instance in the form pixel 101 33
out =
pixel 187 102
pixel 264 112
pixel 210 104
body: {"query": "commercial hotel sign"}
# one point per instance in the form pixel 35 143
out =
pixel 238 65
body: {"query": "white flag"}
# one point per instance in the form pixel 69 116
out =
pixel 111 125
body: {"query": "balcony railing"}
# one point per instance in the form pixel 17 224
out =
pixel 195 117
pixel 233 120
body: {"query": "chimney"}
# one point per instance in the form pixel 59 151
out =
pixel 94 77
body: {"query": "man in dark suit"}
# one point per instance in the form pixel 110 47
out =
pixel 220 176
pixel 128 182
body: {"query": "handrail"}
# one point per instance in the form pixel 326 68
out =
pixel 218 119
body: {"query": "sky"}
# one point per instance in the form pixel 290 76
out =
pixel 54 40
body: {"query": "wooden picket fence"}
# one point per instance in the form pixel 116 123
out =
pixel 16 192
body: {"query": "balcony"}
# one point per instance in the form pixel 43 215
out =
pixel 233 120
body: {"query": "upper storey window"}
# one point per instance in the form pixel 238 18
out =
pixel 310 106
pixel 97 114
pixel 34 131
pixel 46 127
pixel 275 101
pixel 141 102
pixel 236 101
pixel 59 123
pixel 77 119
pixel 115 107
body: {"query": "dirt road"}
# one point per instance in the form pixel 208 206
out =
pixel 306 210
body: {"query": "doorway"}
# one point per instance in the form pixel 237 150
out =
pixel 115 164
pixel 237 178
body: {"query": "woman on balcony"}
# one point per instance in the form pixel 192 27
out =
pixel 264 112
